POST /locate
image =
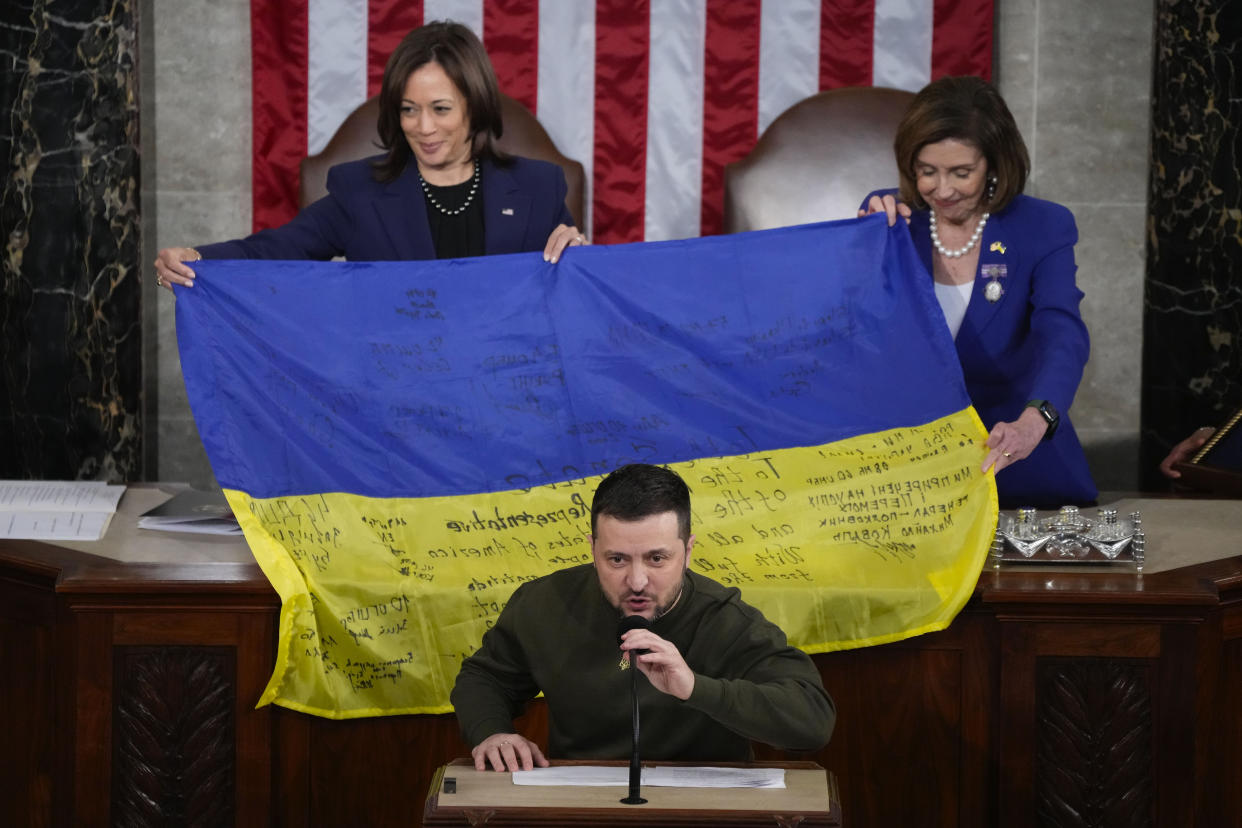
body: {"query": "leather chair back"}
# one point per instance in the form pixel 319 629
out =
pixel 356 138
pixel 817 160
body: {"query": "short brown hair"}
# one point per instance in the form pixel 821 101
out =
pixel 462 57
pixel 970 110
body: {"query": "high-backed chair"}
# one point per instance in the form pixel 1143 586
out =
pixel 356 138
pixel 817 160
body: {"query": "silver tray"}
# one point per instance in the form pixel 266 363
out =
pixel 1069 537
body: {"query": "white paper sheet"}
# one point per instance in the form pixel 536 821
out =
pixel 667 776
pixel 54 525
pixel 57 509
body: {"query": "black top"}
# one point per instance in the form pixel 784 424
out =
pixel 461 234
pixel 557 634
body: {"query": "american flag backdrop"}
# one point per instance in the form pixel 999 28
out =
pixel 653 97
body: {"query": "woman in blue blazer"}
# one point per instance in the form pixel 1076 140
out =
pixel 1003 268
pixel 441 190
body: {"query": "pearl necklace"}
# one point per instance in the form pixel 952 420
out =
pixel 474 188
pixel 974 238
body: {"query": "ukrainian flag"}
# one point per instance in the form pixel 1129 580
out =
pixel 406 442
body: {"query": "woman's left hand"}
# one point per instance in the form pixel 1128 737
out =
pixel 1011 442
pixel 563 236
pixel 887 204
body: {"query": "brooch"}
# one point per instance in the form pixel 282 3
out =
pixel 994 290
pixel 997 247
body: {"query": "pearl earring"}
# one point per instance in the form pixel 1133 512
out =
pixel 991 192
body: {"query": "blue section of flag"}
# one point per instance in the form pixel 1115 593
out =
pixel 411 379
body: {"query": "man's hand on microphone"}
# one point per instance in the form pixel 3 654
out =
pixel 662 663
pixel 508 752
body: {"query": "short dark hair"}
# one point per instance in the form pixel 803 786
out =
pixel 462 57
pixel 640 490
pixel 968 109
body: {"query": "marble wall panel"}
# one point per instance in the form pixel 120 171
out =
pixel 1111 276
pixel 199 113
pixel 1111 265
pixel 1092 99
pixel 1192 356
pixel 70 397
pixel 1015 61
pixel 1077 78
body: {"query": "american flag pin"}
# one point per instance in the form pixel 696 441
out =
pixel 508 211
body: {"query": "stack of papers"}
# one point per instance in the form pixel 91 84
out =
pixel 57 509
pixel 192 511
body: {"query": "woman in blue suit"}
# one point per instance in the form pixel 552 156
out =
pixel 1003 268
pixel 442 190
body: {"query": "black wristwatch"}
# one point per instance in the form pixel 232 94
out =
pixel 1050 414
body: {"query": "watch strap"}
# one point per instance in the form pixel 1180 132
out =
pixel 1050 414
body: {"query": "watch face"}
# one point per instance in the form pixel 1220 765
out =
pixel 1051 417
pixel 1049 412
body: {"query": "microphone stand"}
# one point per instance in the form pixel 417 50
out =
pixel 635 766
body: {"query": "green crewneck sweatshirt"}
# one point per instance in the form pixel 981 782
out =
pixel 558 635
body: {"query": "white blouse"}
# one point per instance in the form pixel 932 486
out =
pixel 953 301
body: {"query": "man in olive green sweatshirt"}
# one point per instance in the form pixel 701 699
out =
pixel 718 673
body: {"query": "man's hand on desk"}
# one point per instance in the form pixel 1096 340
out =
pixel 661 662
pixel 508 752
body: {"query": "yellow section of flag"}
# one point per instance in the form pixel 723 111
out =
pixel 862 541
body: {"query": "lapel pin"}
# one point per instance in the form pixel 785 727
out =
pixel 508 211
pixel 997 246
pixel 993 290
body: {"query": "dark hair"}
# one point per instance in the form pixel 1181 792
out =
pixel 970 110
pixel 640 490
pixel 462 57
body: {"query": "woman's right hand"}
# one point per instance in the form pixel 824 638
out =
pixel 170 267
pixel 563 236
pixel 889 205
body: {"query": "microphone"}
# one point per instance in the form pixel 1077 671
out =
pixel 633 622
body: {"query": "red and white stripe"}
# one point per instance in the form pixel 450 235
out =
pixel 654 97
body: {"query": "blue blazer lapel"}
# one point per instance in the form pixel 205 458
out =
pixel 402 211
pixel 506 210
pixel 980 312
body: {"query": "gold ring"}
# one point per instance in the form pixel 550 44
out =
pixel 1007 454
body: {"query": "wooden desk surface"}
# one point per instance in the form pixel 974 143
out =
pixel 490 798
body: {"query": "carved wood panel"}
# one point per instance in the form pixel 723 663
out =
pixel 173 740
pixel 1094 743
